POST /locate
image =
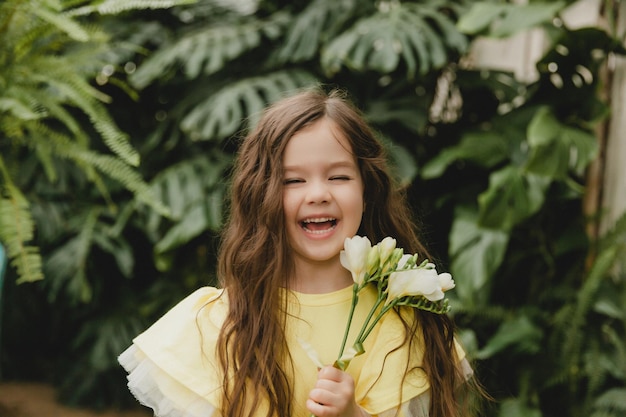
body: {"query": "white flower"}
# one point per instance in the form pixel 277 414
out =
pixel 396 275
pixel 414 282
pixel 354 257
pixel 311 353
pixel 386 247
pixel 446 281
pixel 403 260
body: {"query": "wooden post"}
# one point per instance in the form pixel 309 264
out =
pixel 614 181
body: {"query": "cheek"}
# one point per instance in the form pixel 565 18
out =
pixel 289 204
pixel 357 203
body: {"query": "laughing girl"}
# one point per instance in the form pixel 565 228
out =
pixel 309 175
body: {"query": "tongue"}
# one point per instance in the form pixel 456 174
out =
pixel 319 226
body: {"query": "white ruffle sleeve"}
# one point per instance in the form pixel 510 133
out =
pixel 419 406
pixel 156 389
pixel 171 366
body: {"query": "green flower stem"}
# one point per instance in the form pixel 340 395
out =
pixel 361 338
pixel 355 299
pixel 378 317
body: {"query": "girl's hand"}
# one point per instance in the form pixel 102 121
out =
pixel 333 395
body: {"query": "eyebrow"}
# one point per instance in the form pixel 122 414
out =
pixel 336 164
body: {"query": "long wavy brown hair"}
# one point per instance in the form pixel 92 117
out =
pixel 254 259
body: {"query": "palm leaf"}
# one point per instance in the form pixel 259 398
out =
pixel 312 27
pixel 503 20
pixel 194 191
pixel 66 265
pixel 556 149
pixel 208 50
pixel 518 333
pixel 406 33
pixel 476 253
pixel 221 114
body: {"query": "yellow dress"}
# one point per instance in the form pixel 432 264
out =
pixel 173 369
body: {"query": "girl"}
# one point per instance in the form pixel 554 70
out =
pixel 307 177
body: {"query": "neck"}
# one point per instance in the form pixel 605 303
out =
pixel 320 278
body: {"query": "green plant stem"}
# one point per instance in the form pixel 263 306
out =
pixel 378 317
pixel 355 300
pixel 360 338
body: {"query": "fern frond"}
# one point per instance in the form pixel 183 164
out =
pixel 45 82
pixel 209 50
pixel 18 109
pixel 119 6
pixel 408 33
pixel 595 366
pixel 17 229
pixel 60 21
pixel 51 107
pixel 618 365
pixel 221 114
pixel 45 158
pixel 65 86
pixel 76 89
pixel 111 166
pixel 612 400
pixel 586 296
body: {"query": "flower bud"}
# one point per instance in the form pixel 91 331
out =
pixel 372 260
pixel 387 246
pixel 392 260
pixel 405 262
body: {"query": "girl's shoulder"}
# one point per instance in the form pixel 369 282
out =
pixel 199 316
pixel 174 360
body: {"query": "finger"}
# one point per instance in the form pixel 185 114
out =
pixel 333 394
pixel 323 396
pixel 316 409
pixel 331 373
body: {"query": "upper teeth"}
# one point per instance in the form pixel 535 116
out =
pixel 319 220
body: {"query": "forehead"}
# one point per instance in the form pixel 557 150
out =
pixel 322 140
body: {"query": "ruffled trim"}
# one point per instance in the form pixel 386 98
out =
pixel 419 406
pixel 156 389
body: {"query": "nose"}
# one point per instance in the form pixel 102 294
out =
pixel 318 192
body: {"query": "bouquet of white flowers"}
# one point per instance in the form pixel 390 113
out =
pixel 400 280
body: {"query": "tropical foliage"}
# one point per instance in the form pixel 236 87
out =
pixel 496 168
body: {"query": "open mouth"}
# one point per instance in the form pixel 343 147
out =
pixel 319 225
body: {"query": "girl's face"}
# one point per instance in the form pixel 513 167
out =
pixel 322 193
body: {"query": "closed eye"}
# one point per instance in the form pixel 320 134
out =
pixel 292 181
pixel 340 178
